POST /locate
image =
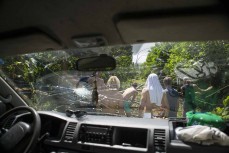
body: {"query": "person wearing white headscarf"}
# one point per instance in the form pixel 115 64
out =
pixel 153 97
pixel 155 89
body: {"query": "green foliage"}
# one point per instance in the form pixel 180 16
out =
pixel 26 69
pixel 167 56
pixel 226 102
pixel 223 111
pixel 144 71
pixel 125 70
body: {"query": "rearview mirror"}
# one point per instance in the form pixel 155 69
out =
pixel 102 62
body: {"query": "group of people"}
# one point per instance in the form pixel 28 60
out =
pixel 113 82
pixel 158 102
pixel 155 100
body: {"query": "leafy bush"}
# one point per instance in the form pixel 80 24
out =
pixel 223 111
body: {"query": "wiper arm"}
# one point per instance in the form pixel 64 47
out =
pixel 80 113
pixel 102 114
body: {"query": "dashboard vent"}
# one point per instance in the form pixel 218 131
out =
pixel 159 140
pixel 69 133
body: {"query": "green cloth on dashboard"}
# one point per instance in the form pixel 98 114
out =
pixel 207 119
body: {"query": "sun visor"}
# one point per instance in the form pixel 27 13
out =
pixel 174 28
pixel 27 43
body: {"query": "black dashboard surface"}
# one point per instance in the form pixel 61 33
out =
pixel 112 134
pixel 106 133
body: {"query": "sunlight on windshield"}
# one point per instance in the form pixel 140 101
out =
pixel 163 79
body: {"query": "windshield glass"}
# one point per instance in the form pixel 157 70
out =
pixel 163 79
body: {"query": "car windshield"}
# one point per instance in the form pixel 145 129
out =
pixel 160 79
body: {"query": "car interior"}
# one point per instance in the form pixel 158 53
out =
pixel 32 26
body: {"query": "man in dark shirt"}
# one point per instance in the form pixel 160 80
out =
pixel 172 97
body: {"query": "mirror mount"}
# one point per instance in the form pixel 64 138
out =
pixel 95 94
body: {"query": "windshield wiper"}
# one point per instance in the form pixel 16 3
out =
pixel 102 114
pixel 80 113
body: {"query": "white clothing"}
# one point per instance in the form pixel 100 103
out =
pixel 147 115
pixel 155 89
pixel 202 135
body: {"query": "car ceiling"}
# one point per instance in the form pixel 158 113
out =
pixel 28 25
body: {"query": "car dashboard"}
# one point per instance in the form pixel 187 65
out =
pixel 112 134
pixel 104 133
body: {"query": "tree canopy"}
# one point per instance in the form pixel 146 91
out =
pixel 204 61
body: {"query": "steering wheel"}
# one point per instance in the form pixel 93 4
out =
pixel 20 130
